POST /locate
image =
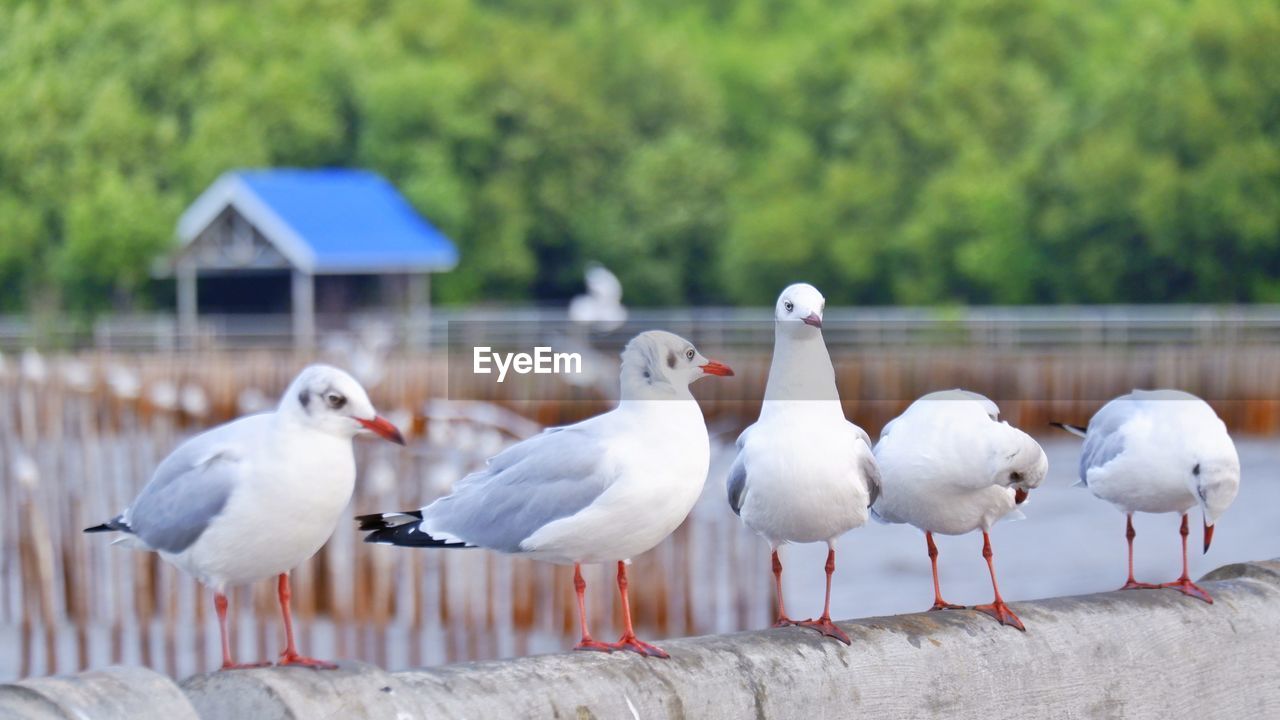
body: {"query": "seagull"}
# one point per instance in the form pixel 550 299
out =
pixel 601 307
pixel 603 490
pixel 803 472
pixel 1160 451
pixel 949 465
pixel 254 498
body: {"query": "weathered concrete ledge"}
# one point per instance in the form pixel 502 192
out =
pixel 1141 654
pixel 116 692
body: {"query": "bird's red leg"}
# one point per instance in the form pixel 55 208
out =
pixel 783 620
pixel 938 602
pixel 1184 583
pixel 997 609
pixel 824 624
pixel 220 605
pixel 290 655
pixel 629 641
pixel 587 642
pixel 1130 534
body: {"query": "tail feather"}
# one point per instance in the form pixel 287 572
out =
pixel 1073 429
pixel 403 529
pixel 115 524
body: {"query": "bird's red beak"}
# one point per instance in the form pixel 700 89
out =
pixel 1208 536
pixel 1019 496
pixel 813 320
pixel 715 368
pixel 383 428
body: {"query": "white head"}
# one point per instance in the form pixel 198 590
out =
pixel 799 309
pixel 658 363
pixel 1025 465
pixel 1207 458
pixel 1215 479
pixel 329 400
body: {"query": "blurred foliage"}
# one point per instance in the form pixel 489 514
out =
pixel 905 151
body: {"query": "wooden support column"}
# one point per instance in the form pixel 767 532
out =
pixel 418 312
pixel 187 303
pixel 304 311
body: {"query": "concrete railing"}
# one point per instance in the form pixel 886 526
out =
pixel 117 692
pixel 1144 654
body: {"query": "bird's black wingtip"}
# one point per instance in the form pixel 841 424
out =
pixel 405 534
pixel 379 521
pixel 115 524
pixel 371 522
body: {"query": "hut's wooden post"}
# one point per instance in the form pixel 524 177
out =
pixel 418 321
pixel 187 302
pixel 304 310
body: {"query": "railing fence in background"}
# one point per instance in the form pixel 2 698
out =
pixel 1032 326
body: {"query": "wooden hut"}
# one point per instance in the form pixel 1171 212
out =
pixel 334 241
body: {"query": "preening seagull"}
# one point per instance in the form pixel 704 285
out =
pixel 254 498
pixel 803 472
pixel 603 490
pixel 1160 451
pixel 949 465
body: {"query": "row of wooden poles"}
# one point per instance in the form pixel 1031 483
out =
pixel 80 439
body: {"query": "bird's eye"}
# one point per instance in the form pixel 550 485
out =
pixel 335 400
pixel 1015 476
pixel 689 353
pixel 789 306
pixel 1196 470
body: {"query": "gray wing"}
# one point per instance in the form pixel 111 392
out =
pixel 1103 441
pixel 525 487
pixel 888 428
pixel 868 467
pixel 736 485
pixel 188 490
pixel 870 471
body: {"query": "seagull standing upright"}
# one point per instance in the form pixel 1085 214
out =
pixel 949 465
pixel 1160 451
pixel 803 472
pixel 603 490
pixel 256 497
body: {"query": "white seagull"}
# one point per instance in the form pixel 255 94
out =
pixel 1160 451
pixel 601 307
pixel 803 472
pixel 949 465
pixel 603 490
pixel 256 497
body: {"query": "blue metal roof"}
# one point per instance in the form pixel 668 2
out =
pixel 329 221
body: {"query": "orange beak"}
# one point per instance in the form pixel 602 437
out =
pixel 715 368
pixel 1019 496
pixel 1208 536
pixel 383 428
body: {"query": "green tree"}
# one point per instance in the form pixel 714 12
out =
pixel 890 151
